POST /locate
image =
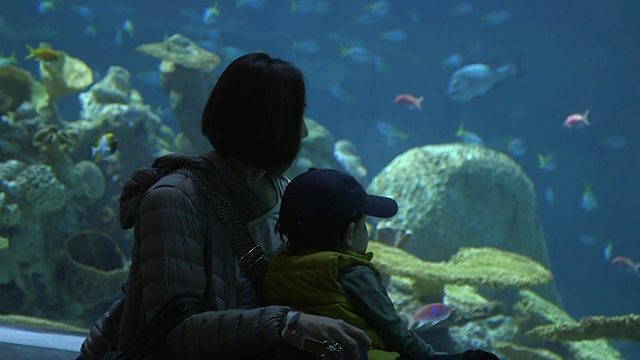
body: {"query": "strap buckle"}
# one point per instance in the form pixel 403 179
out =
pixel 251 258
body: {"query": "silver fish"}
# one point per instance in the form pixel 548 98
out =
pixel 475 80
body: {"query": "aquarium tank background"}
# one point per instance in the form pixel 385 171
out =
pixel 506 130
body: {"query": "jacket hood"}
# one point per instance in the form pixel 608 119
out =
pixel 143 179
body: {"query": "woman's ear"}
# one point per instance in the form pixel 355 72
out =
pixel 347 237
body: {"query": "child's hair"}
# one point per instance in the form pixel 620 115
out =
pixel 325 239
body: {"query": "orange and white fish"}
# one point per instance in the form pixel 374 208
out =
pixel 409 101
pixel 577 121
pixel 428 315
pixel 625 264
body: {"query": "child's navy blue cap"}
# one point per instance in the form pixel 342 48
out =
pixel 321 198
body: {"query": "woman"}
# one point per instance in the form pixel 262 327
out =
pixel 254 121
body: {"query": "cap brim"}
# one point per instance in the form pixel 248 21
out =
pixel 381 207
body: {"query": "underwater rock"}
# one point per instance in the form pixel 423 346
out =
pixel 4 243
pixel 346 154
pixel 10 214
pixel 96 269
pixel 64 76
pixel 114 88
pixel 36 185
pixel 20 86
pixel 6 103
pixel 183 51
pixel 93 182
pixel 466 303
pixel 507 350
pixel 456 195
pixel 317 150
pixel 482 333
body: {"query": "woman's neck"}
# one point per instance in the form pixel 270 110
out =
pixel 252 176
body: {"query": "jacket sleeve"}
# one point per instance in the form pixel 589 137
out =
pixel 171 264
pixel 370 299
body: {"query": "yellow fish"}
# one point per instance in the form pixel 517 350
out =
pixel 42 53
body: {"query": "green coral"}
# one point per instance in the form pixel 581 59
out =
pixel 624 327
pixel 38 186
pixel 487 267
pixel 181 50
pixel 467 302
pixel 52 138
pixel 93 182
pixel 512 351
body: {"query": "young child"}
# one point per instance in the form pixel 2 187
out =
pixel 325 270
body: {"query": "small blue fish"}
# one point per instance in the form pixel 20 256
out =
pixel 379 9
pixel 128 27
pixel 549 195
pixel 85 12
pixel 587 239
pixel 306 46
pixel 380 65
pixel 390 133
pixel 47 6
pixel 453 61
pixel 394 35
pixel 607 253
pixel 90 30
pixel 614 142
pixel 355 53
pixel 467 137
pixel 8 60
pixel 588 202
pixel 547 162
pixel 118 39
pixel 496 17
pixel 339 93
pixel 516 148
pixel 463 9
pixel 210 14
pixel 474 80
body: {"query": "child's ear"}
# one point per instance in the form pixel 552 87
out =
pixel 347 237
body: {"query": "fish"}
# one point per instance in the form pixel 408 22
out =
pixel 463 9
pixel 118 39
pixel 394 35
pixel 549 195
pixel 339 93
pixel 467 137
pixel 428 315
pixel 307 46
pixel 625 264
pixel 588 202
pixel 475 80
pixel 614 142
pixel 128 27
pixel 547 162
pixel 8 60
pixel 104 147
pixel 355 53
pixel 46 6
pixel 90 30
pixel 380 65
pixel 42 53
pixel 607 253
pixel 516 147
pixel 84 11
pixel 251 4
pixel 577 121
pixel 390 133
pixel 409 101
pixel 379 9
pixel 496 17
pixel 453 61
pixel 210 14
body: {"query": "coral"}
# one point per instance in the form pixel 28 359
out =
pixel 4 243
pixel 93 182
pixel 624 327
pixel 487 267
pixel 6 103
pixel 346 154
pixel 317 150
pixel 509 350
pixel 97 267
pixel 466 303
pixel 385 233
pixel 114 88
pixel 183 145
pixel 36 185
pixel 10 214
pixel 64 76
pixel 52 138
pixel 20 86
pixel 38 322
pixel 532 304
pixel 484 332
pixel 182 51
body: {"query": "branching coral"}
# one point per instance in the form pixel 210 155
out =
pixel 513 351
pixel 625 327
pixel 487 267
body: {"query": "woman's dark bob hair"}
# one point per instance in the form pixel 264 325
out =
pixel 255 112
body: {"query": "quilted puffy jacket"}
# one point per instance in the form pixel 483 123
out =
pixel 172 220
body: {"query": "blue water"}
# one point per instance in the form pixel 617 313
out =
pixel 574 55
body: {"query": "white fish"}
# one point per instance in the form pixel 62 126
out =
pixel 475 80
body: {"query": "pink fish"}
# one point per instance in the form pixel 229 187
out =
pixel 428 315
pixel 625 264
pixel 576 121
pixel 409 101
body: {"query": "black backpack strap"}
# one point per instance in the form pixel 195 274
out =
pixel 250 255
